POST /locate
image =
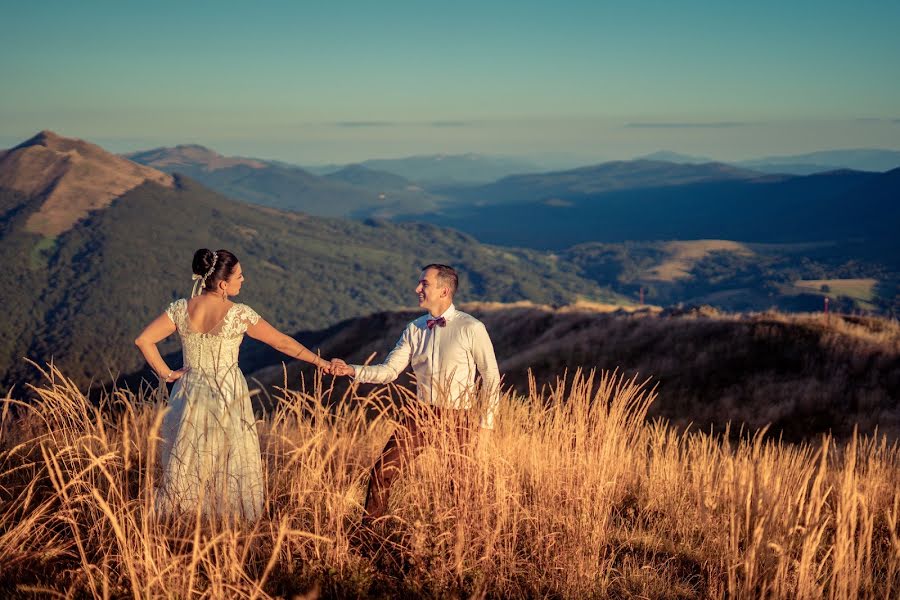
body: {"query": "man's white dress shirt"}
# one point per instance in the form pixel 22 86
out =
pixel 444 360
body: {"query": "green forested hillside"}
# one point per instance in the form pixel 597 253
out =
pixel 23 277
pixel 83 297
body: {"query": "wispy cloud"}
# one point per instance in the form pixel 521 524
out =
pixel 449 124
pixel 365 124
pixel 876 120
pixel 352 124
pixel 687 125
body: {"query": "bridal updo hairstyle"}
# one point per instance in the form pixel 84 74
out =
pixel 225 264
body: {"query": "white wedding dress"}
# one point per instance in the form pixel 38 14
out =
pixel 210 450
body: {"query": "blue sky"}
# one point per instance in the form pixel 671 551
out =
pixel 340 81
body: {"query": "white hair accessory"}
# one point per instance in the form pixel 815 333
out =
pixel 200 280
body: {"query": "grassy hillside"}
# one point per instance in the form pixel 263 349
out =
pixel 745 276
pixel 82 297
pixel 574 495
pixel 803 374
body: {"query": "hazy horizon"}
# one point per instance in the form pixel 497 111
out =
pixel 576 82
pixel 295 152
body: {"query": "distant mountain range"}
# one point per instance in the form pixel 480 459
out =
pixel 675 157
pixel 81 292
pixel 864 159
pixel 192 156
pixel 556 187
pixel 363 176
pixel 648 200
pixel 413 185
pixel 352 191
pixel 442 169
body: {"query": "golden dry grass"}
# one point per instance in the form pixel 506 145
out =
pixel 575 495
pixel 683 255
pixel 580 306
pixel 858 289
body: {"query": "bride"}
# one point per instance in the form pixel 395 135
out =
pixel 210 451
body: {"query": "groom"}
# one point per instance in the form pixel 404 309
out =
pixel 445 347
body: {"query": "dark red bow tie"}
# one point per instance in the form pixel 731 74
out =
pixel 440 321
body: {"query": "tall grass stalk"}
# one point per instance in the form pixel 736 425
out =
pixel 576 494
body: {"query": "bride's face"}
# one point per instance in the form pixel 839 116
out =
pixel 233 284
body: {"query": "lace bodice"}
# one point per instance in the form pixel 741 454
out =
pixel 215 351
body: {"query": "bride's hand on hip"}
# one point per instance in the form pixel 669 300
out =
pixel 176 375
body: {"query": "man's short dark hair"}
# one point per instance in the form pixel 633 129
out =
pixel 446 275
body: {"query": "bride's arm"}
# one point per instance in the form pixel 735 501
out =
pixel 161 328
pixel 267 334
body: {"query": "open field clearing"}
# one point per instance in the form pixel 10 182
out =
pixel 858 289
pixel 683 255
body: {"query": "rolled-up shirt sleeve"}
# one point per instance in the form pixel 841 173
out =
pixel 486 363
pixel 395 363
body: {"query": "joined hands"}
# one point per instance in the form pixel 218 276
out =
pixel 339 368
pixel 335 366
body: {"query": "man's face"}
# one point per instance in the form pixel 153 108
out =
pixel 431 292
